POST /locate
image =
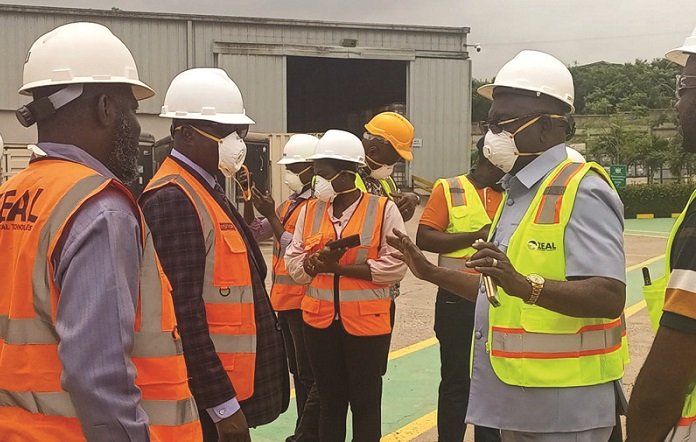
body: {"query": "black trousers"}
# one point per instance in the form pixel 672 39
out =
pixel 348 370
pixel 210 433
pixel 307 399
pixel 454 327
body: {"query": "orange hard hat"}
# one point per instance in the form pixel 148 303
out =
pixel 396 129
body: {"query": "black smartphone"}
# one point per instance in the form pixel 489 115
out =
pixel 646 276
pixel 347 242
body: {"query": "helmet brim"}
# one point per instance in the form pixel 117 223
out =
pixel 680 55
pixel 486 91
pixel 237 119
pixel 286 161
pixel 321 156
pixel 141 91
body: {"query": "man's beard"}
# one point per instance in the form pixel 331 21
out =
pixel 123 159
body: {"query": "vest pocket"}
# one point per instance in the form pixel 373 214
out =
pixel 310 305
pixel 655 299
pixel 376 307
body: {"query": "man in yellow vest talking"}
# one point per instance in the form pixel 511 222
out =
pixel 663 403
pixel 549 338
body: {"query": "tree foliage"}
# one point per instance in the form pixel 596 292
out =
pixel 604 88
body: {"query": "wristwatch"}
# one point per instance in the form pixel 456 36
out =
pixel 537 283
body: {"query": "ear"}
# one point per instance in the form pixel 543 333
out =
pixel 107 112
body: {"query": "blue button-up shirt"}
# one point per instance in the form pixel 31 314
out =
pixel 594 247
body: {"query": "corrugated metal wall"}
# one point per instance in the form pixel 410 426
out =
pixel 440 107
pixel 158 46
pixel 261 79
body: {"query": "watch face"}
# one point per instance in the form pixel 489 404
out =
pixel 536 279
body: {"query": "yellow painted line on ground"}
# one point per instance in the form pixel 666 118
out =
pixel 645 216
pixel 429 421
pixel 413 429
pixel 400 353
pixel 645 263
pixel 632 310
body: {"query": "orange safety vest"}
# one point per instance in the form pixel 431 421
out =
pixel 37 205
pixel 227 287
pixel 286 294
pixel 362 306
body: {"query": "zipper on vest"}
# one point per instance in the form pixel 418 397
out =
pixel 337 302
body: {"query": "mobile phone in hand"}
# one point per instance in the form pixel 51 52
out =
pixel 348 242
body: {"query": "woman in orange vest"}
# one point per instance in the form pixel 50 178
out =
pixel 346 306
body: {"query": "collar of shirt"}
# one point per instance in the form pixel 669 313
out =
pixel 210 179
pixel 533 172
pixel 73 153
pixel 307 194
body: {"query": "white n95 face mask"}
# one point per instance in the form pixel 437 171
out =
pixel 293 181
pixel 323 189
pixel 382 172
pixel 500 149
pixel 231 152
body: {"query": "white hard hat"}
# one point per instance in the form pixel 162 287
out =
pixel 79 53
pixel 537 72
pixel 340 145
pixel 574 155
pixel 681 55
pixel 298 149
pixel 205 94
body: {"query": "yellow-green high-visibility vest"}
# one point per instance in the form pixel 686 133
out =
pixel 530 346
pixel 655 299
pixel 388 185
pixel 466 214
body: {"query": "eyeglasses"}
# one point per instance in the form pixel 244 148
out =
pixel 684 82
pixel 497 126
pixel 220 130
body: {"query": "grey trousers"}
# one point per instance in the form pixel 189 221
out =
pixel 595 435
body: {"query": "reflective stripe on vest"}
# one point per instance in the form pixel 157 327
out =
pixel 534 347
pixel 590 340
pixel 164 413
pixel 348 295
pixel 684 431
pixel 165 393
pixel 229 307
pixel 451 263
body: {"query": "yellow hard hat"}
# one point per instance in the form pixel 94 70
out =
pixel 396 129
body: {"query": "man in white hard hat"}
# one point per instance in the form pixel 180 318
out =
pixel 550 345
pixel 663 401
pixel 83 306
pixel 346 307
pixel 232 344
pixel 286 294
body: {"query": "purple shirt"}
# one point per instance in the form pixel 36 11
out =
pixel 97 270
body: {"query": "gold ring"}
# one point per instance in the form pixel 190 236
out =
pixel 495 262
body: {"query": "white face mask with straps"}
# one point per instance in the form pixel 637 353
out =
pixel 383 170
pixel 231 150
pixel 324 190
pixel 294 180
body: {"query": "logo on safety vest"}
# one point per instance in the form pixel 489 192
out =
pixel 541 246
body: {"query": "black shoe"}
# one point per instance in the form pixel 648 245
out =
pixel 290 438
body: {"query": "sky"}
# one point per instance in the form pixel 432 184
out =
pixel 575 31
